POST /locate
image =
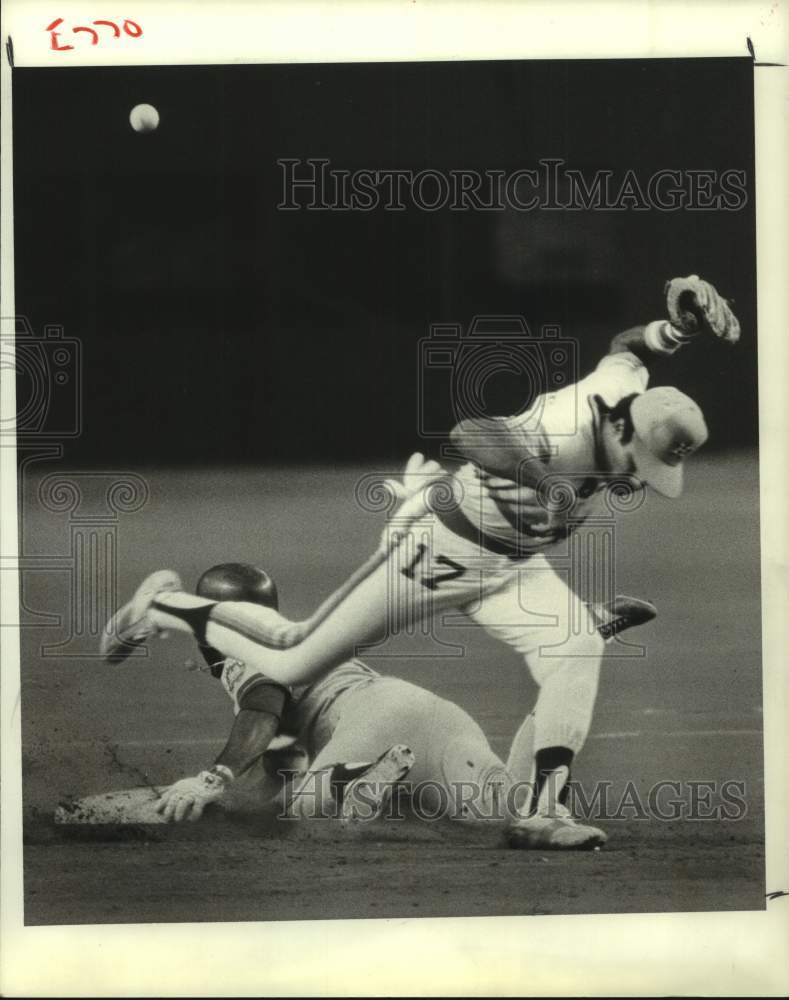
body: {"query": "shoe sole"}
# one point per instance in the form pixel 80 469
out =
pixel 376 783
pixel 118 641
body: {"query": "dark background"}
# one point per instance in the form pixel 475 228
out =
pixel 215 327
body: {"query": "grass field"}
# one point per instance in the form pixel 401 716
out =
pixel 689 710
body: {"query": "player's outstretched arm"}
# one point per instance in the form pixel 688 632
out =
pixel 253 730
pixel 694 306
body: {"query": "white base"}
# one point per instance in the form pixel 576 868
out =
pixel 135 805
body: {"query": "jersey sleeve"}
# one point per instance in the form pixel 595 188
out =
pixel 616 376
pixel 239 680
pixel 502 446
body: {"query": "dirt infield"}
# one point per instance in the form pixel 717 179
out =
pixel 686 709
pixel 218 874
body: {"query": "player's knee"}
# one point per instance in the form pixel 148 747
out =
pixel 581 649
pixel 579 656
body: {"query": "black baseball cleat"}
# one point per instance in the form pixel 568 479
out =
pixel 622 613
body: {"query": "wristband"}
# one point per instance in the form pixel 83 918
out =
pixel 662 338
pixel 224 774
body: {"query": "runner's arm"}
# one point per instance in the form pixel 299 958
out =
pixel 254 727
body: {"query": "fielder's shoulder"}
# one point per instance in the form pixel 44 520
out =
pixel 617 375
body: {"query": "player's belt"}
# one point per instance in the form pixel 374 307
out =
pixel 456 521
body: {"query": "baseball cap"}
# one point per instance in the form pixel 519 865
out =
pixel 667 426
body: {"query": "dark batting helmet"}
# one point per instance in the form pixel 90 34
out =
pixel 238 582
pixel 234 582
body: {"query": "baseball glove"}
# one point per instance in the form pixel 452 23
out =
pixel 694 306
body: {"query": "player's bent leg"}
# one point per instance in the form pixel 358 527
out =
pixel 348 790
pixel 364 796
pixel 410 581
pixel 557 635
pixel 556 730
pixel 370 721
pixel 568 691
pixel 549 825
pixel 541 618
pixel 462 767
pixel 452 771
pixel 561 721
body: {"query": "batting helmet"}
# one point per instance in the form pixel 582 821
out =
pixel 238 582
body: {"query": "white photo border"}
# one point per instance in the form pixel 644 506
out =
pixel 706 953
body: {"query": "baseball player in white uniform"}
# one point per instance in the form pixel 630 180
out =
pixel 475 540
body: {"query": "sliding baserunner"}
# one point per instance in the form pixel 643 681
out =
pixel 363 733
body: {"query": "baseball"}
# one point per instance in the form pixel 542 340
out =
pixel 144 118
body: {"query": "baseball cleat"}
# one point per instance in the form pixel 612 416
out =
pixel 554 831
pixel 130 626
pixel 366 795
pixel 622 613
